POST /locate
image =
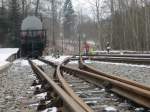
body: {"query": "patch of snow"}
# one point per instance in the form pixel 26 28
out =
pixel 139 109
pixel 35 104
pixel 38 62
pixel 42 95
pixel 37 86
pixel 88 61
pixel 6 52
pixel 22 62
pixel 54 109
pixel 3 63
pixel 110 109
pixel 56 60
pixel 73 62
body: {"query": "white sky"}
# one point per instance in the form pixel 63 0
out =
pixel 82 4
pixel 86 6
pixel 77 5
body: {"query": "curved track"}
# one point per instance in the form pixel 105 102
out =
pixel 73 106
pixel 74 83
pixel 139 94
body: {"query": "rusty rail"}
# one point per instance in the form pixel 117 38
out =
pixel 119 55
pixel 69 90
pixel 66 86
pixel 138 93
pixel 72 105
pixel 123 59
pixel 93 70
pixel 126 58
pixel 132 90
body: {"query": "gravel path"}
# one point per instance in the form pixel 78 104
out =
pixel 15 87
pixel 139 73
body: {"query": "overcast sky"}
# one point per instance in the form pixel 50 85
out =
pixel 82 4
pixel 86 6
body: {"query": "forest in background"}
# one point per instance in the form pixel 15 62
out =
pixel 123 23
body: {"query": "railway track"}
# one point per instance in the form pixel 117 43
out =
pixel 87 89
pixel 126 84
pixel 132 60
pixel 53 86
pixel 119 55
pixel 126 58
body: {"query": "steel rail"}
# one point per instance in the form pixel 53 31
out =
pixel 138 95
pixel 123 59
pixel 125 80
pixel 119 55
pixel 132 60
pixel 70 91
pixel 140 89
pixel 69 101
pixel 65 85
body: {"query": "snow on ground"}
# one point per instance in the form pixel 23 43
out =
pixel 26 63
pixel 16 92
pixel 88 61
pixel 3 63
pixel 14 89
pixel 73 62
pixel 139 73
pixel 38 62
pixel 22 62
pixel 56 60
pixel 54 109
pixel 5 53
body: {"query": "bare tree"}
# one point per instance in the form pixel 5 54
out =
pixel 37 7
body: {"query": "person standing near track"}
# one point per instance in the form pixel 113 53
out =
pixel 86 48
pixel 108 47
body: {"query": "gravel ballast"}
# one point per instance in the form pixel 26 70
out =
pixel 15 86
pixel 139 73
